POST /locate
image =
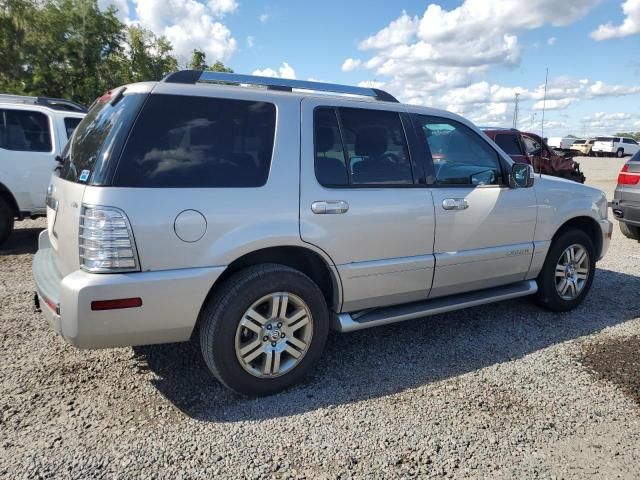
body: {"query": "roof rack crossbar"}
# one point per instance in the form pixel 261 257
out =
pixel 283 84
pixel 55 103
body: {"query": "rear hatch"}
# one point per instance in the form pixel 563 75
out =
pixel 603 143
pixel 89 157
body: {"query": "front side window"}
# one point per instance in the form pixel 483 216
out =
pixel 24 131
pixel 70 124
pixel 460 156
pixel 510 144
pixel 183 141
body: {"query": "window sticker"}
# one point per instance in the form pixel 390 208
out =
pixel 84 175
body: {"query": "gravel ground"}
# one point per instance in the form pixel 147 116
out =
pixel 500 391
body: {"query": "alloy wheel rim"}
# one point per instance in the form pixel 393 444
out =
pixel 572 272
pixel 273 335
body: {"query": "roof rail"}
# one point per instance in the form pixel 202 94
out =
pixel 55 103
pixel 282 84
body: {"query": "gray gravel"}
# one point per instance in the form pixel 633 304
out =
pixel 500 391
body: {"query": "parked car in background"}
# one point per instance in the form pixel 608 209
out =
pixel 626 200
pixel 33 131
pixel 583 146
pixel 530 148
pixel 561 143
pixel 263 217
pixel 618 146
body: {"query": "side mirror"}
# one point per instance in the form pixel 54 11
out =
pixel 521 176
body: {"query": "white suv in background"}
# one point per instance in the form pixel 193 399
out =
pixel 33 131
pixel 618 146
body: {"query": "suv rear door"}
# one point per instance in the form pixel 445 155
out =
pixel 361 200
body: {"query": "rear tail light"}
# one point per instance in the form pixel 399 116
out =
pixel 106 241
pixel 628 178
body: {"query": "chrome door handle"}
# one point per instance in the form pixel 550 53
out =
pixel 455 204
pixel 330 206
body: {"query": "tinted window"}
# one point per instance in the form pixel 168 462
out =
pixel 579 142
pixel 510 144
pixel 70 124
pixel 104 128
pixel 604 139
pixel 24 131
pixel 180 141
pixel 629 140
pixel 460 156
pixel 330 164
pixel 376 147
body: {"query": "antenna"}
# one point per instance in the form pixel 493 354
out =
pixel 516 110
pixel 544 102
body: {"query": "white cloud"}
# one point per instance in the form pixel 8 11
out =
pixel 448 49
pixel 351 64
pixel 285 71
pixel 187 24
pixel 264 18
pixel 551 41
pixel 630 25
pixel 251 41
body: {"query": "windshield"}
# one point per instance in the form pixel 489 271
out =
pixel 98 138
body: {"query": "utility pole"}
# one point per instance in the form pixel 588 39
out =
pixel 544 101
pixel 533 120
pixel 516 111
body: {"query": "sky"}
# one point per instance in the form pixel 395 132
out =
pixel 470 57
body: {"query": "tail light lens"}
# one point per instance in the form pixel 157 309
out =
pixel 106 241
pixel 628 178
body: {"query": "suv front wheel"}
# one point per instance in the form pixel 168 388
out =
pixel 264 330
pixel 568 272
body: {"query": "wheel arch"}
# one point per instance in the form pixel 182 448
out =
pixel 304 259
pixel 7 196
pixel 586 224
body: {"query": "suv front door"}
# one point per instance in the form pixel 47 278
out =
pixel 361 201
pixel 484 229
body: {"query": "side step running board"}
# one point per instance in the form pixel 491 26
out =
pixel 345 322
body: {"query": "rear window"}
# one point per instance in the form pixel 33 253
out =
pixel 579 142
pixel 604 139
pixel 103 129
pixel 510 144
pixel 181 141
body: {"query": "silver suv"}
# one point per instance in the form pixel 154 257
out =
pixel 259 213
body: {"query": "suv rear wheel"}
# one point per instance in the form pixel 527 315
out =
pixel 568 272
pixel 630 231
pixel 264 330
pixel 6 220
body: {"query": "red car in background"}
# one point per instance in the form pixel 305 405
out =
pixel 524 147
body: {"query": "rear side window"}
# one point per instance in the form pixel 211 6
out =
pixel 510 144
pixel 181 141
pixel 604 139
pixel 360 147
pixel 24 131
pixel 70 124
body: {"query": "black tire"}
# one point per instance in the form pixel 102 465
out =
pixel 6 220
pixel 630 231
pixel 620 153
pixel 222 313
pixel 547 295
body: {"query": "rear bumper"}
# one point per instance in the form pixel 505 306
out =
pixel 626 211
pixel 171 302
pixel 606 227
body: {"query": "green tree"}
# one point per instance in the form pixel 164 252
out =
pixel 148 57
pixel 199 62
pixel 634 135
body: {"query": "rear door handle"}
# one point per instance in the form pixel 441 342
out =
pixel 329 206
pixel 455 204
